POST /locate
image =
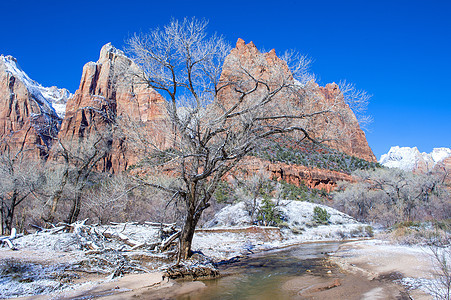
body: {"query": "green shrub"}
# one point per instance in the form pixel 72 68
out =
pixel 269 213
pixel 369 231
pixel 320 216
pixel 312 156
pixel 224 193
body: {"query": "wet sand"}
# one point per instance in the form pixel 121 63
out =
pixel 343 285
pixel 377 260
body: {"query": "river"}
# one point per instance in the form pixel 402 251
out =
pixel 264 275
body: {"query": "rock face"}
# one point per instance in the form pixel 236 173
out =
pixel 294 174
pixel 28 121
pixel 350 139
pixel 108 93
pixel 338 127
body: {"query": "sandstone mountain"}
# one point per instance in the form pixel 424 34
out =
pixel 411 159
pixel 340 131
pixel 30 114
pixel 107 94
pixel 437 162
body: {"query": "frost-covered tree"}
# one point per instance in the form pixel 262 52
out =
pixel 389 196
pixel 20 177
pixel 72 169
pixel 218 116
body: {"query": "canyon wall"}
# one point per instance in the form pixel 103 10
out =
pixel 108 94
pixel 336 125
pixel 28 122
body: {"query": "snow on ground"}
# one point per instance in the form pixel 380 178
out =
pixel 230 232
pixel 374 258
pixel 48 261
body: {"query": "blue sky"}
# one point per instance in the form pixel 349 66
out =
pixel 398 51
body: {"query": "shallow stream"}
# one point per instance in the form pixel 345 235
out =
pixel 262 275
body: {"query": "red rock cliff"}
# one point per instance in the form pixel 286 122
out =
pixel 107 92
pixel 338 129
pixel 294 174
pixel 27 120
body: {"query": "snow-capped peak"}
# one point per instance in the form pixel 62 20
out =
pixel 52 97
pixel 409 159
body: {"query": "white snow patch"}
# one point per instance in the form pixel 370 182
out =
pixel 52 98
pixel 409 159
pixel 230 233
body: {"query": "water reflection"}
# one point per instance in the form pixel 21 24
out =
pixel 261 276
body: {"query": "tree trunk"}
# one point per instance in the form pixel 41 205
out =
pixel 2 228
pixel 49 213
pixel 9 216
pixel 193 216
pixel 49 216
pixel 75 209
pixel 186 236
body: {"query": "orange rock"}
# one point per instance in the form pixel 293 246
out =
pixel 340 131
pixel 27 121
pixel 315 178
pixel 108 91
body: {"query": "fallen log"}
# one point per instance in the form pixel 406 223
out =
pixel 7 239
pixel 56 229
pixel 158 224
pixel 8 242
pixel 120 237
pixel 165 244
pixel 39 228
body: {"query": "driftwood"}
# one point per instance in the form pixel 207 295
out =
pixel 38 228
pixel 121 237
pixel 167 242
pixel 157 224
pixel 7 239
pixel 98 239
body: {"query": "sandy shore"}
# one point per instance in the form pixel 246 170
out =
pixel 378 260
pixel 358 270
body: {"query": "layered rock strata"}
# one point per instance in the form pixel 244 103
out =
pixel 313 178
pixel 336 126
pixel 28 122
pixel 108 93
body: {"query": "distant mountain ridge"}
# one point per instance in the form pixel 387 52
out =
pixel 411 159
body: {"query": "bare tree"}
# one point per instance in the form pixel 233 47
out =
pixel 73 168
pixel 219 109
pixel 440 286
pixel 393 195
pixel 357 100
pixel 20 177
